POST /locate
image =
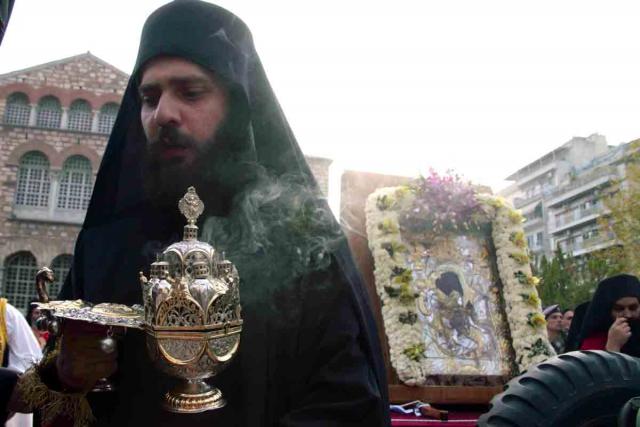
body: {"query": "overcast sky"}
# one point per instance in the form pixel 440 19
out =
pixel 481 87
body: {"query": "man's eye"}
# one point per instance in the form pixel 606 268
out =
pixel 192 94
pixel 149 100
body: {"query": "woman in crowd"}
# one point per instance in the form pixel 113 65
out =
pixel 32 315
pixel 612 321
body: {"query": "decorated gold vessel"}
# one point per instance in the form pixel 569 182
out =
pixel 191 314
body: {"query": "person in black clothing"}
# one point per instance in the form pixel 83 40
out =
pixel 567 318
pixel 612 319
pixel 573 336
pixel 199 111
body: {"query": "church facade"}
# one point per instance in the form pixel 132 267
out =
pixel 55 121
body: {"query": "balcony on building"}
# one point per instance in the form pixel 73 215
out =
pixel 534 218
pixel 577 218
pixel 537 179
pixel 533 224
pixel 579 245
pixel 579 186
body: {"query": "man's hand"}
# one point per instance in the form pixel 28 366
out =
pixel 619 334
pixel 82 360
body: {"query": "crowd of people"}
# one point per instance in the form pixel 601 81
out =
pixel 610 321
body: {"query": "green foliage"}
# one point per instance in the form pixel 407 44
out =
pixel 392 292
pixel 405 277
pixel 415 352
pixel 407 295
pixel 521 257
pixel 569 281
pixel 539 347
pixel 408 318
pixel 393 248
pixel 624 206
pixel 384 202
pixel 388 226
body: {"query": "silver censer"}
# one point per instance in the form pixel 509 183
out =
pixel 192 315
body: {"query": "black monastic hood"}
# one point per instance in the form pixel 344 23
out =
pixel 217 40
pixel 597 318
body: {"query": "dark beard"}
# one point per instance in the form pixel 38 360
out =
pixel 216 172
pixel 632 347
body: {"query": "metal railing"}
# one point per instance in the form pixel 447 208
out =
pixel 585 244
pixel 577 215
pixel 584 180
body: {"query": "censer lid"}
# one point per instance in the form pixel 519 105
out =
pixel 191 206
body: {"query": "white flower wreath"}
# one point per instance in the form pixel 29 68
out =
pixel 526 323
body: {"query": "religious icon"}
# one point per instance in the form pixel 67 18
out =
pixel 456 289
pixel 454 306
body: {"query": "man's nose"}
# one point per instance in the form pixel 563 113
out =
pixel 167 112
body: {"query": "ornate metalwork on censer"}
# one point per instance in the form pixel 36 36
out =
pixel 191 314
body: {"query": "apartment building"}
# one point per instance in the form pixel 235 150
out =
pixel 560 195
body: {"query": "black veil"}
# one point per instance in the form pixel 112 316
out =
pixel 573 337
pixel 279 228
pixel 597 318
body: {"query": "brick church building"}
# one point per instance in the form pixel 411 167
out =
pixel 55 120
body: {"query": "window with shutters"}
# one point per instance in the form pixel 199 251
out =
pixel 17 110
pixel 80 116
pixel 49 112
pixel 107 117
pixel 33 180
pixel 19 273
pixel 76 183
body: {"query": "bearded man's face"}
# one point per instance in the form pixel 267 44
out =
pixel 183 107
pixel 180 95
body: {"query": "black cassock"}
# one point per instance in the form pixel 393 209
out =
pixel 596 315
pixel 309 353
pixel 304 357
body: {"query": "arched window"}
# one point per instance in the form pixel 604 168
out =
pixel 17 109
pixel 33 180
pixel 60 266
pixel 19 274
pixel 76 183
pixel 107 117
pixel 49 112
pixel 80 116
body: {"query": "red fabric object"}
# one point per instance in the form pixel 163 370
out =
pixel 42 334
pixel 456 419
pixel 596 341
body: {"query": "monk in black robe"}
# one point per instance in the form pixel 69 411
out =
pixel 199 111
pixel 612 319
